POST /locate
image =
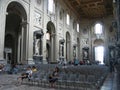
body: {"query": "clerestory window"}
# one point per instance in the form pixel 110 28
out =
pixel 98 29
pixel 51 6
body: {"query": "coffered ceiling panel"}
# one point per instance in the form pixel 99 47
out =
pixel 91 8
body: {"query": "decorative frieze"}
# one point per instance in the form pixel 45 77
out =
pixel 84 42
pixel 37 19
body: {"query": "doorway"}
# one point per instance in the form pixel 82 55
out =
pixel 99 54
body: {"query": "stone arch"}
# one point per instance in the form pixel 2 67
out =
pixel 98 42
pixel 68 46
pixel 16 24
pixel 51 42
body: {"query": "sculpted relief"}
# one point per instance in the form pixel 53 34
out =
pixel 37 19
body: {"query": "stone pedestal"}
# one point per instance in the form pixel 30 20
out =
pixel 38 59
pixel 30 61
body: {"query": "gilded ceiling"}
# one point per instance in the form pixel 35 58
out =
pixel 91 8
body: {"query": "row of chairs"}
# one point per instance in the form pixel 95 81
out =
pixel 65 81
pixel 98 71
pixel 71 77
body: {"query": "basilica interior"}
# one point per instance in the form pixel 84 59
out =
pixel 82 35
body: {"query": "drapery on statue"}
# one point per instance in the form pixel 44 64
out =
pixel 37 46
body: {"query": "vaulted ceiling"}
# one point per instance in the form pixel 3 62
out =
pixel 91 8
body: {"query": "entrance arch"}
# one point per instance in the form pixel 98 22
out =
pixel 99 51
pixel 51 42
pixel 15 27
pixel 68 40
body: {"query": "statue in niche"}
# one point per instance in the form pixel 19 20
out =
pixel 112 54
pixel 85 54
pixel 74 52
pixel 37 42
pixel 60 50
pixel 37 46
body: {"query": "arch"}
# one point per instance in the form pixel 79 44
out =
pixel 18 8
pixel 68 45
pixel 16 24
pixel 98 42
pixel 51 42
pixel 68 35
pixel 50 27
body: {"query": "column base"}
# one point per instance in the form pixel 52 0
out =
pixel 30 61
pixel 45 61
pixel 38 59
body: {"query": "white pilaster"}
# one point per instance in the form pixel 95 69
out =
pixel 2 30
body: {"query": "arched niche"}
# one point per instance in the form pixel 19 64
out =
pixel 68 46
pixel 50 43
pixel 98 42
pixel 16 26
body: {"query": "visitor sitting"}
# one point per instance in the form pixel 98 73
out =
pixel 1 67
pixel 54 77
pixel 25 75
pixel 34 69
pixel 14 69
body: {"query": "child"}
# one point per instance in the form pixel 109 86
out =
pixel 25 75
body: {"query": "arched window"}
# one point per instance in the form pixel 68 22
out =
pixel 68 19
pixel 98 28
pixel 78 27
pixel 51 6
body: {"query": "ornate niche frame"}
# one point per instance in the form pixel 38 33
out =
pixel 85 53
pixel 37 46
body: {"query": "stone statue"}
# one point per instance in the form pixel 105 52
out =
pixel 37 46
pixel 85 54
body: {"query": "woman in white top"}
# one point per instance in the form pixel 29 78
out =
pixel 26 75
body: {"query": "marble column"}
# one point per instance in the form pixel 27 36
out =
pixel 2 32
pixel 53 48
